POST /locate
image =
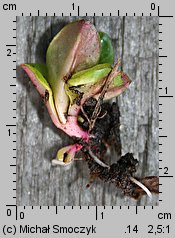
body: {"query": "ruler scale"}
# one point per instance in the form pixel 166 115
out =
pixel 94 221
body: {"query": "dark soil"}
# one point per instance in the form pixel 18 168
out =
pixel 106 134
pixel 106 130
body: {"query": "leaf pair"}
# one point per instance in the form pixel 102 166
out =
pixel 78 58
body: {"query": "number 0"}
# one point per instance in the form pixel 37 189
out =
pixel 153 6
pixel 9 212
pixel 21 215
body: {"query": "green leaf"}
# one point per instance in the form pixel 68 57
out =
pixel 118 80
pixel 36 73
pixel 90 76
pixel 40 68
pixel 107 51
pixel 71 94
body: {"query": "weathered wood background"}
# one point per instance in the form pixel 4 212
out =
pixel 135 40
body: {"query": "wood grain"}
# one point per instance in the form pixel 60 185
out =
pixel 135 40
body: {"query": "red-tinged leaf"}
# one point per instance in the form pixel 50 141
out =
pixel 43 88
pixel 71 127
pixel 75 47
pixel 117 86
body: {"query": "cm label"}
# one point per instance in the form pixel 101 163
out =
pixel 9 7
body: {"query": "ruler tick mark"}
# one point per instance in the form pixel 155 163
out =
pixel 166 96
pixel 166 176
pixel 165 16
pixel 11 45
pixel 96 213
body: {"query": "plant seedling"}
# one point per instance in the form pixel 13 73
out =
pixel 77 80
